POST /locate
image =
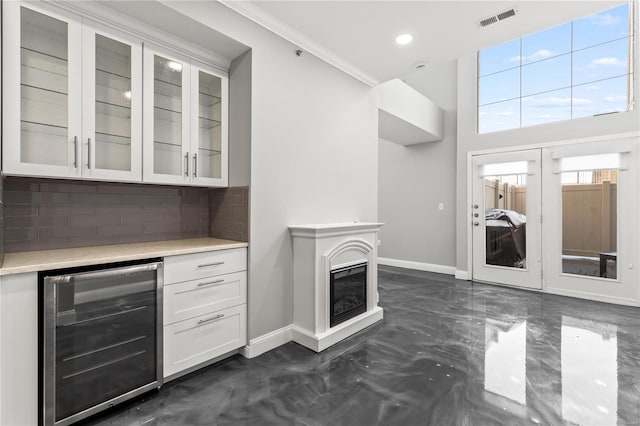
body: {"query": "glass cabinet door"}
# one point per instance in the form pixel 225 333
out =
pixel 113 107
pixel 208 133
pixel 166 123
pixel 41 92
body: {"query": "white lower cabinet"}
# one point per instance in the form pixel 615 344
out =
pixel 195 341
pixel 199 297
pixel 204 308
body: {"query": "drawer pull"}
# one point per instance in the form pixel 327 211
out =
pixel 205 265
pixel 204 321
pixel 211 282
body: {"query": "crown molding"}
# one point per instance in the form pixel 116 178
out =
pixel 277 27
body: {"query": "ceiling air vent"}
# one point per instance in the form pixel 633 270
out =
pixel 497 17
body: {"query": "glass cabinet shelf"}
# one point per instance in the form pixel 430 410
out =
pixel 209 152
pixel 114 110
pixel 166 114
pixel 208 123
pixel 111 73
pixel 207 100
pixel 114 139
pixel 46 129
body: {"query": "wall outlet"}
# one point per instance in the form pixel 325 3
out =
pixel 441 206
pixel 379 243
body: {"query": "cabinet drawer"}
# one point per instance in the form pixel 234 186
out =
pixel 199 297
pixel 194 341
pixel 187 267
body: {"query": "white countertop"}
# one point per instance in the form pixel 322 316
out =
pixel 42 260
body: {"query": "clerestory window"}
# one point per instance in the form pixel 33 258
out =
pixel 579 69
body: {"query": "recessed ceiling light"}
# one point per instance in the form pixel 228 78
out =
pixel 404 39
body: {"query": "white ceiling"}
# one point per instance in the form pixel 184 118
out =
pixel 358 36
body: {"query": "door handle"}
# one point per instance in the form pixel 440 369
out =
pixel 75 152
pixel 204 321
pixel 88 153
pixel 476 223
pixel 195 165
pixel 186 167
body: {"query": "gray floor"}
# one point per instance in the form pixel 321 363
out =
pixel 447 352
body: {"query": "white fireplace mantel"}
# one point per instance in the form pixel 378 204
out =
pixel 318 249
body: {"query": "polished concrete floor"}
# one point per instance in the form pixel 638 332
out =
pixel 446 353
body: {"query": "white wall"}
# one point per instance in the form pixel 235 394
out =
pixel 313 154
pixel 240 120
pixel 469 140
pixel 414 179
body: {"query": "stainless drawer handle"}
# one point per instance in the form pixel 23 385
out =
pixel 204 265
pixel 210 282
pixel 204 321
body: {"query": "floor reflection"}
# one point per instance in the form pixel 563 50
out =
pixel 589 372
pixel 505 352
pixel 546 366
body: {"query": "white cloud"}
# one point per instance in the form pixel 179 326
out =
pixel 605 19
pixel 535 56
pixel 607 61
pixel 592 87
pixel 615 98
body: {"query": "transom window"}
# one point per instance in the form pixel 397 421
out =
pixel 578 69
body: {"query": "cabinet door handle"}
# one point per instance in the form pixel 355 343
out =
pixel 211 283
pixel 204 265
pixel 186 166
pixel 195 165
pixel 75 152
pixel 88 153
pixel 204 321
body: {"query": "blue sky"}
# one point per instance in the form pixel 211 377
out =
pixel 539 67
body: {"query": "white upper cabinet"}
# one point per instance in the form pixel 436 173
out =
pixel 73 97
pixel 185 121
pixel 209 145
pixel 112 106
pixel 73 104
pixel 166 118
pixel 42 92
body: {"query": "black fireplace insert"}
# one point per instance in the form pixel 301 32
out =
pixel 348 293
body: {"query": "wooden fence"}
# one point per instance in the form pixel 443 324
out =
pixel 589 213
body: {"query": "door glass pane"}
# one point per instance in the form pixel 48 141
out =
pixel 589 223
pixel 209 125
pixel 167 128
pixel 505 202
pixel 43 89
pixel 113 105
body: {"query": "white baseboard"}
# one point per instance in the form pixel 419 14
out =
pixel 462 275
pixel 419 266
pixel 592 296
pixel 267 342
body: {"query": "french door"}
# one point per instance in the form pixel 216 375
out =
pixel 590 228
pixel 506 218
pixel 562 219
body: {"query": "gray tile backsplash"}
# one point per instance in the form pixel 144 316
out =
pixel 229 209
pixel 44 214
